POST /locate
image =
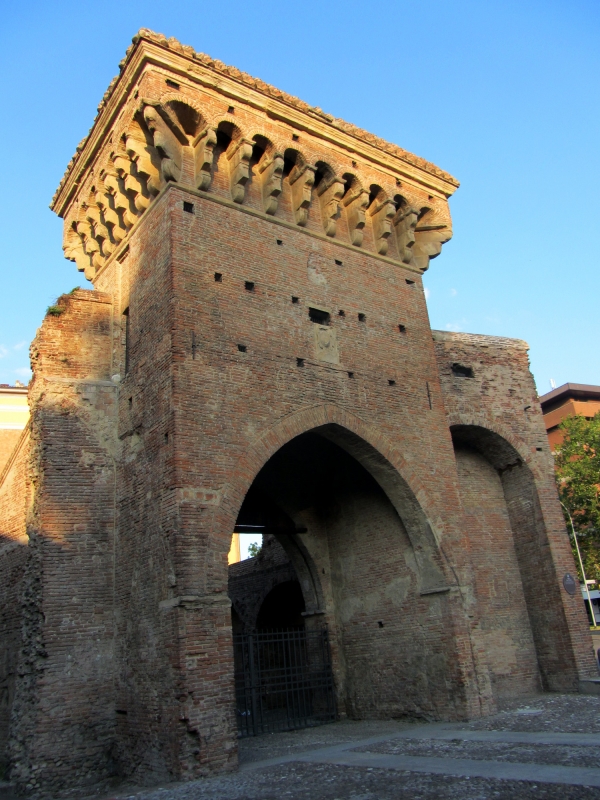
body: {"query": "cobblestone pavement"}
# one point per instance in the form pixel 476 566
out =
pixel 544 747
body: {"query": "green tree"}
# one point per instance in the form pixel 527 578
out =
pixel 254 549
pixel 577 463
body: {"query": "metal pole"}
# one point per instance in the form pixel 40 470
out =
pixel 580 562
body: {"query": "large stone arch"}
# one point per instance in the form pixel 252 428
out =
pixel 374 451
pixel 441 679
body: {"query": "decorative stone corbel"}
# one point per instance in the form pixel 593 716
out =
pixel 122 203
pixel 105 202
pixel 428 243
pixel 330 191
pixel 101 233
pixel 73 250
pixel 166 143
pixel 146 160
pixel 302 178
pixel 355 202
pixel 405 223
pixel 204 146
pixel 270 169
pixel 239 155
pixel 133 185
pixel 382 211
pixel 90 245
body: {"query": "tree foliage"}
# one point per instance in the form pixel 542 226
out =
pixel 254 549
pixel 577 463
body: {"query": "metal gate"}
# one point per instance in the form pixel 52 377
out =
pixel 283 680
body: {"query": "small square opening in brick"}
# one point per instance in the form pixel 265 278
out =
pixel 249 286
pixel 218 277
pixel 172 84
pixel 402 328
pixel 242 348
pixel 295 137
pixel 299 362
pixel 189 207
pixel 362 317
pixel 409 282
pixel 460 371
pixel 295 300
pixel 230 110
pixel 341 313
pixel 350 374
pixel 391 383
pixel 338 262
pixel 319 316
pixel 280 242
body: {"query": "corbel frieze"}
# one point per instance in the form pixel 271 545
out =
pixel 91 246
pixel 405 222
pixel 146 161
pixel 330 191
pixel 204 146
pixel 132 184
pixel 302 178
pixel 239 154
pixel 105 201
pixel 355 202
pixel 73 250
pixel 382 212
pixel 166 142
pixel 270 170
pixel 121 201
pixel 428 244
pixel 101 232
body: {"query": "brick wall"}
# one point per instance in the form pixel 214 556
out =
pixel 63 713
pixel 8 442
pixel 14 492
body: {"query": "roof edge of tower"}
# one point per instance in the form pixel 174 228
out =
pixel 109 107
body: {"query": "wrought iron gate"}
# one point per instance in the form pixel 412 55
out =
pixel 283 680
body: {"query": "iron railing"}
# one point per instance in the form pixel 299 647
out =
pixel 283 680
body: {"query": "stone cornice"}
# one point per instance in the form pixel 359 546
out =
pixel 149 48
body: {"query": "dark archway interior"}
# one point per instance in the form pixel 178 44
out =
pixel 307 473
pixel 282 608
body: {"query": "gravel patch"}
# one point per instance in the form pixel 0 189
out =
pixel 298 781
pixel 561 755
pixel 561 713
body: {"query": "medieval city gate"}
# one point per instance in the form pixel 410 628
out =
pixel 257 332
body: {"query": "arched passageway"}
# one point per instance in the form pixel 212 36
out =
pixel 522 617
pixel 367 567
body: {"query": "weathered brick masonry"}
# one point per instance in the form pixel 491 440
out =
pixel 258 334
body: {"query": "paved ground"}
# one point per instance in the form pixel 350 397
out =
pixel 547 746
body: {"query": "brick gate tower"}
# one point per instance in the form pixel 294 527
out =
pixel 257 322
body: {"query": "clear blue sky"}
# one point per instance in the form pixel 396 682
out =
pixel 504 95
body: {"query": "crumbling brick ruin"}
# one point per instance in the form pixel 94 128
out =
pixel 257 338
